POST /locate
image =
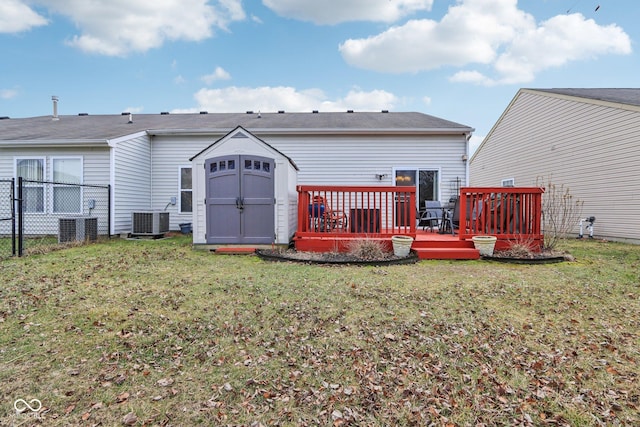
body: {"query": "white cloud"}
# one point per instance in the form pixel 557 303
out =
pixel 493 33
pixel 337 11
pixel 474 77
pixel 218 74
pixel 15 16
pixel 120 27
pixel 270 99
pixel 557 41
pixel 8 93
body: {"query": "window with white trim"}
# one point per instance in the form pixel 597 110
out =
pixel 186 191
pixel 67 198
pixel 510 182
pixel 32 169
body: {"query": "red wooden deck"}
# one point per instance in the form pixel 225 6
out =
pixel 330 217
pixel 427 244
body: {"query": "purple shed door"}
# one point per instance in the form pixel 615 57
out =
pixel 240 199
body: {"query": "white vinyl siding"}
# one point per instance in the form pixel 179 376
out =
pixel 95 163
pixel 592 148
pixel 334 160
pixel 132 182
pixel 169 154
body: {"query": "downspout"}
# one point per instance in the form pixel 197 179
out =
pixel 465 159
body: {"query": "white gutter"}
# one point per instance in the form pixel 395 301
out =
pixel 42 143
pixel 323 131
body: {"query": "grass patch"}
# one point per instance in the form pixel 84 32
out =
pixel 174 336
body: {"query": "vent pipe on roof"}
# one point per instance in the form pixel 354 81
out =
pixel 55 107
pixel 130 118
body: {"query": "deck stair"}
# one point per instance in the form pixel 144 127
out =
pixel 445 249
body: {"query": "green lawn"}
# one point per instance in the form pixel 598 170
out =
pixel 165 335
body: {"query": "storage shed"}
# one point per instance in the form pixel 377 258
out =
pixel 244 192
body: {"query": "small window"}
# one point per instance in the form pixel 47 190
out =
pixel 231 164
pixel 186 192
pixel 223 165
pixel 67 198
pixel 511 182
pixel 32 169
pixel 213 167
pixel 266 167
pixel 248 164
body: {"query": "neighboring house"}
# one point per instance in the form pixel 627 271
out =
pixel 157 162
pixel 587 140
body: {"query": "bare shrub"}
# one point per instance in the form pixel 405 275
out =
pixel 367 249
pixel 560 212
pixel 521 248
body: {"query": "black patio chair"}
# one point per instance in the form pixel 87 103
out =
pixel 431 216
pixel 453 217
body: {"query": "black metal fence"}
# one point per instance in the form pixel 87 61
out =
pixel 40 214
pixel 7 218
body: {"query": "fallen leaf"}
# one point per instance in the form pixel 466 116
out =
pixel 129 419
pixel 122 397
pixel 612 370
pixel 165 382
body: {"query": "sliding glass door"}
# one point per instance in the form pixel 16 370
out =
pixel 426 181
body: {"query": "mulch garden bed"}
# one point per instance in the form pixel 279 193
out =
pixel 332 258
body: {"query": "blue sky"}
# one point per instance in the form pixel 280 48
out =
pixel 459 60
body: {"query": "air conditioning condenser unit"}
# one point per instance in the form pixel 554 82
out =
pixel 149 223
pixel 77 229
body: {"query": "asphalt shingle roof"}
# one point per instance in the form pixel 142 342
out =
pixel 104 127
pixel 628 96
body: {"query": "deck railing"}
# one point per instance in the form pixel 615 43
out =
pixel 512 214
pixel 356 210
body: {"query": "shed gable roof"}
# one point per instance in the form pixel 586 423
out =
pixel 240 132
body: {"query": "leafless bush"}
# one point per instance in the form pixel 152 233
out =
pixel 521 248
pixel 560 212
pixel 367 249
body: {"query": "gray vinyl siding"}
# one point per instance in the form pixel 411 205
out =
pixel 95 165
pixel 169 153
pixel 592 148
pixel 334 160
pixel 322 160
pixel 95 161
pixel 132 181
